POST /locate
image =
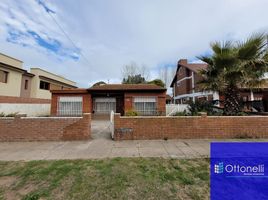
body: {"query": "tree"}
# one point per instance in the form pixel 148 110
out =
pixel 166 74
pixel 158 82
pixel 99 83
pixel 136 79
pixel 132 73
pixel 235 65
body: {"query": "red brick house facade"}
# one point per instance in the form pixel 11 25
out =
pixel 186 88
pixel 185 82
pixel 146 99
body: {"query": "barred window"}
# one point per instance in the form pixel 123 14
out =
pixel 70 106
pixel 145 105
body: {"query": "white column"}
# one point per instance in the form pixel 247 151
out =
pixel 251 96
pixel 193 86
pixel 216 96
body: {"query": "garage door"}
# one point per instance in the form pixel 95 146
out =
pixel 104 105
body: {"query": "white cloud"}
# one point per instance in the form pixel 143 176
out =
pixel 113 33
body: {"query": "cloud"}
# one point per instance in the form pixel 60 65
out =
pixel 110 34
pixel 25 30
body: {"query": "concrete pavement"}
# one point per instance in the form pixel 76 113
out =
pixel 102 148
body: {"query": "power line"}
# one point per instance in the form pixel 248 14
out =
pixel 67 36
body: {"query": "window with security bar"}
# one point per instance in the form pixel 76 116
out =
pixel 70 106
pixel 145 105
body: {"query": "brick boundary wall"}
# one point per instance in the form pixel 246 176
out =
pixel 21 128
pixel 22 100
pixel 190 127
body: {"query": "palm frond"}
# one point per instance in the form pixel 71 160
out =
pixel 252 47
pixel 206 59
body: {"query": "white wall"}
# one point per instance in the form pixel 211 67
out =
pixel 172 109
pixel 32 110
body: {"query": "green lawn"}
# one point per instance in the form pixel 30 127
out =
pixel 119 178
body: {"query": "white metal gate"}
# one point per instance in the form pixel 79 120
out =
pixel 112 124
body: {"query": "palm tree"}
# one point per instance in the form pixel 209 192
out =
pixel 235 65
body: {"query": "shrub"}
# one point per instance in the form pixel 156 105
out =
pixel 12 114
pixel 131 113
pixel 203 106
pixel 2 114
pixel 184 113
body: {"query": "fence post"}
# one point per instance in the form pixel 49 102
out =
pixel 112 124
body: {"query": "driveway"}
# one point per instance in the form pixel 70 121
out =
pixel 101 146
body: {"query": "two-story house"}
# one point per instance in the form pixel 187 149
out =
pixel 17 82
pixel 185 83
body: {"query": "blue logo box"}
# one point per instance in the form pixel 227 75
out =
pixel 239 170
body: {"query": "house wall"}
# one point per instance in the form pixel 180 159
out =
pixel 10 61
pixel 139 128
pixel 128 101
pixel 28 106
pixel 197 79
pixel 45 128
pixel 87 102
pixel 13 85
pixel 186 86
pixel 25 92
pixel 36 92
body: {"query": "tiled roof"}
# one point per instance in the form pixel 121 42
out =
pixel 127 87
pixel 196 67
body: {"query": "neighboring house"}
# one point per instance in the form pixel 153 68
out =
pixel 12 76
pixel 185 83
pixel 186 88
pixel 146 99
pixel 44 81
pixel 17 82
pixel 168 99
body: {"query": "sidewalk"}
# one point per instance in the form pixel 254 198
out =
pixel 103 148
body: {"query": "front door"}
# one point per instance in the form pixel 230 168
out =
pixel 104 105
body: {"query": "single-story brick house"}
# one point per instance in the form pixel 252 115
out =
pixel 146 99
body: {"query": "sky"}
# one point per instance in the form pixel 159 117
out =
pixel 91 40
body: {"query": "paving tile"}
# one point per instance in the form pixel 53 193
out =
pixel 126 144
pixel 124 152
pixel 153 152
pixel 173 150
pixel 150 143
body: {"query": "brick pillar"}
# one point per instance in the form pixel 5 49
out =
pixel 54 105
pixel 87 120
pixel 116 125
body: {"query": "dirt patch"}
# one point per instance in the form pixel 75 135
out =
pixel 27 189
pixel 7 181
pixel 61 191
